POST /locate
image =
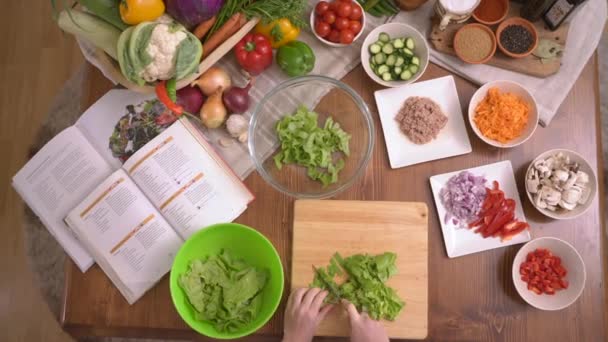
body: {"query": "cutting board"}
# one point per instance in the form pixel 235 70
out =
pixel 530 65
pixel 324 227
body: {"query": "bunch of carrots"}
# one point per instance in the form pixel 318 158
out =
pixel 211 40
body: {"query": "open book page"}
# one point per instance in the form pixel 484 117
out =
pixel 186 183
pixel 56 179
pixel 122 121
pixel 129 239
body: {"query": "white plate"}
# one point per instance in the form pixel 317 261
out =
pixel 452 140
pixel 463 241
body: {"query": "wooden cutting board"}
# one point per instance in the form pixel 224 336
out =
pixel 323 227
pixel 530 65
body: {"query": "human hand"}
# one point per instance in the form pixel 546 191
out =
pixel 303 314
pixel 362 327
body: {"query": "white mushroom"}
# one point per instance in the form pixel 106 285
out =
pixel 571 180
pixel 550 195
pixel 532 182
pixel 566 205
pixel 560 176
pixel 572 195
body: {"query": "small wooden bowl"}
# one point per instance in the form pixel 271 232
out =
pixel 468 27
pixel 521 22
pixel 504 6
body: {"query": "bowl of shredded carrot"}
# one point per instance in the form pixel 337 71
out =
pixel 503 114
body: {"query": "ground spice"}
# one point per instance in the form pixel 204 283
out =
pixel 473 44
pixel 490 10
pixel 501 116
pixel 516 39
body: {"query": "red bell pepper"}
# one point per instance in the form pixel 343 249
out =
pixel 254 53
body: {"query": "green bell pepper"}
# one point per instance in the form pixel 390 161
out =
pixel 296 58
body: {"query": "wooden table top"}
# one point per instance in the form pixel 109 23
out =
pixel 471 298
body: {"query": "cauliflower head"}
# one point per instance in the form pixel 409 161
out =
pixel 162 48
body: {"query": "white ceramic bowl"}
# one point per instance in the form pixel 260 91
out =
pixel 571 260
pixel 313 16
pixel 396 30
pixel 563 214
pixel 510 87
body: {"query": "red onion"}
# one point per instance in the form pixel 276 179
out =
pixel 462 197
pixel 190 98
pixel 236 99
pixel 192 12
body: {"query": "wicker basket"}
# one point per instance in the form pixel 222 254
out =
pixel 110 66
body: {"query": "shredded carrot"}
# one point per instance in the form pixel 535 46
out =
pixel 501 116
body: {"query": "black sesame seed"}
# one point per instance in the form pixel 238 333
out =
pixel 516 39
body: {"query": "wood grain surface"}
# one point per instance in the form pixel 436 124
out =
pixel 324 227
pixel 471 298
pixel 530 65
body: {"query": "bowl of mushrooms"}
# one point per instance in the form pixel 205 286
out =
pixel 561 184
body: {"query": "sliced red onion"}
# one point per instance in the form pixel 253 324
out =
pixel 462 197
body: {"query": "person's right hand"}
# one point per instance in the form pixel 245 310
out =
pixel 362 327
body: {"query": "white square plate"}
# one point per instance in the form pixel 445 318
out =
pixel 463 241
pixel 452 140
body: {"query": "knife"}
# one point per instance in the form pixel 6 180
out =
pixel 331 288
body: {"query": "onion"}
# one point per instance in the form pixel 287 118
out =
pixel 213 113
pixel 192 12
pixel 462 197
pixel 190 98
pixel 212 79
pixel 237 99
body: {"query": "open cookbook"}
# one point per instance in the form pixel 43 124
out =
pixel 126 185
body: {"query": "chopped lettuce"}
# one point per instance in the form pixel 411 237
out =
pixel 304 143
pixel 224 291
pixel 365 286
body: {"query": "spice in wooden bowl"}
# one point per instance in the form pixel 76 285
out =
pixel 474 43
pixel 516 37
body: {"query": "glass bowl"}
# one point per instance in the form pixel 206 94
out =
pixel 328 98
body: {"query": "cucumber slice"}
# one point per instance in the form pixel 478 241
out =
pixel 375 48
pixel 398 43
pixel 388 49
pixel 399 61
pixel 372 61
pixel 384 37
pixel 380 43
pixel 415 60
pixel 413 69
pixel 406 75
pixel 397 70
pixel 390 61
pixel 387 76
pixel 408 52
pixel 380 58
pixel 382 69
pixel 409 43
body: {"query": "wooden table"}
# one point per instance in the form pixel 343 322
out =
pixel 471 298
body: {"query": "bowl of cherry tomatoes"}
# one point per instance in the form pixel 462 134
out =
pixel 337 23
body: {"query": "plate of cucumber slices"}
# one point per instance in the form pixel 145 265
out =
pixel 394 54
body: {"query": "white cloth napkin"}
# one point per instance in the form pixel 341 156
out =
pixel 586 29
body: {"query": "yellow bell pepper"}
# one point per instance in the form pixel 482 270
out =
pixel 279 32
pixel 133 12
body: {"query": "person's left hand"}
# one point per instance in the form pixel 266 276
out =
pixel 303 314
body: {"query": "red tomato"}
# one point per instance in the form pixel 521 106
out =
pixel 333 6
pixel 341 23
pixel 344 9
pixel 356 13
pixel 334 36
pixel 329 17
pixel 347 1
pixel 346 36
pixel 322 28
pixel 355 26
pixel 321 7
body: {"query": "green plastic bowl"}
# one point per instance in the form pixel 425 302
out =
pixel 243 242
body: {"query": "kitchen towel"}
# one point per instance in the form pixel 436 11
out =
pixel 586 27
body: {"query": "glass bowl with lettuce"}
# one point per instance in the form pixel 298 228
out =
pixel 311 137
pixel 226 281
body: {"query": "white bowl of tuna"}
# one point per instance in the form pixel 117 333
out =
pixel 394 54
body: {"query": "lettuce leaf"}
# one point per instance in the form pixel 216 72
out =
pixel 224 290
pixel 365 285
pixel 306 144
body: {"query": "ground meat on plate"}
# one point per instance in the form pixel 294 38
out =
pixel 420 119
